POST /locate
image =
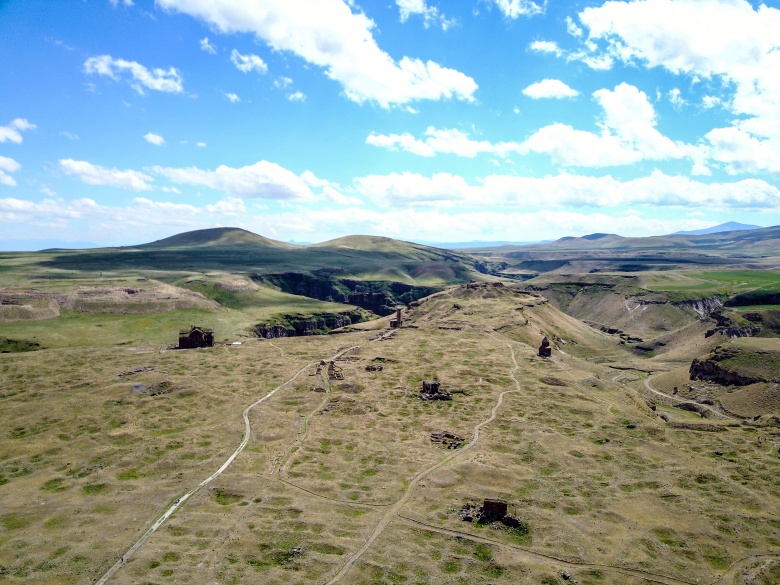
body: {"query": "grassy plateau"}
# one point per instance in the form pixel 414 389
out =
pixel 616 466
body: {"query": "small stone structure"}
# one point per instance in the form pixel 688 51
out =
pixel 397 321
pixel 489 511
pixel 432 391
pixel 448 439
pixel 545 350
pixel 334 372
pixel 196 337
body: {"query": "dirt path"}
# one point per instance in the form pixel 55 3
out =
pixel 393 511
pixel 718 414
pixel 531 556
pixel 180 501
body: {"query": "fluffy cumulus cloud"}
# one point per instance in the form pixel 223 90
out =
pixel 97 175
pixel 732 41
pixel 627 135
pixel 8 165
pixel 429 14
pixel 247 63
pixel 140 78
pixel 155 139
pixel 327 33
pixel 13 132
pixel 550 88
pixel 233 98
pixel 550 47
pixel 518 8
pixel 262 180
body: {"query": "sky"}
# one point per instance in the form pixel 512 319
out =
pixel 127 121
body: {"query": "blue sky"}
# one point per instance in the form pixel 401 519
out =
pixel 125 121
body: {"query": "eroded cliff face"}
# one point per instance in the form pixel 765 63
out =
pixel 710 371
pixel 702 307
pixel 380 297
pixel 318 324
pixel 739 363
pixel 734 332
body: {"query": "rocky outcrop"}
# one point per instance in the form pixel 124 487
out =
pixel 734 332
pixel 710 371
pixel 298 326
pixel 702 307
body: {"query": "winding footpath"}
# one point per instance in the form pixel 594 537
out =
pixel 180 501
pixel 393 511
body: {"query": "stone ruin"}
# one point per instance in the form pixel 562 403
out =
pixel 196 337
pixel 335 372
pixel 397 321
pixel 545 350
pixel 432 391
pixel 489 512
pixel 448 439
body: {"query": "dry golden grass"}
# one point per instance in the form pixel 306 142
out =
pixel 607 490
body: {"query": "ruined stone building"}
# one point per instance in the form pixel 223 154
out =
pixel 196 337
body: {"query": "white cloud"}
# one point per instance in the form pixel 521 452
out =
pixel 550 88
pixel 297 96
pixel 206 46
pixel 155 139
pixel 413 190
pixel 200 144
pixel 742 152
pixel 247 63
pixel 12 132
pixel 282 82
pixel 232 97
pixel 437 141
pixel 572 28
pixel 546 47
pixel 710 101
pixel 676 98
pixel 430 14
pixel 70 136
pixel 732 41
pixel 262 180
pixel 169 80
pixel 8 165
pixel 327 33
pixel 627 135
pixel 517 8
pixel 565 191
pixel 97 175
pixel 569 147
pixel 115 3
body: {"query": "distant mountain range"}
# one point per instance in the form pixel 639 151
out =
pixel 731 226
pixel 187 239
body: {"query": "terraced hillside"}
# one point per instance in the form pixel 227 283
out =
pixel 331 474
